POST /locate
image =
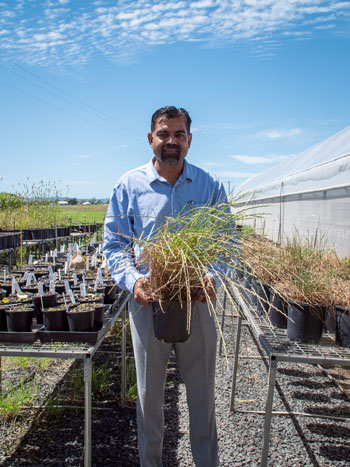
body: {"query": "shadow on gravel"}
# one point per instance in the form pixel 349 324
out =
pixel 329 429
pixel 336 453
pixel 56 437
pixel 311 384
pixel 339 411
pixel 292 372
pixel 309 396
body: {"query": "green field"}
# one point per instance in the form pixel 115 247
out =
pixel 85 214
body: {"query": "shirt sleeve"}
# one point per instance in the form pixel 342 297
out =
pixel 118 239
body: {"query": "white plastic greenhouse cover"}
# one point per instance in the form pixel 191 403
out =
pixel 309 193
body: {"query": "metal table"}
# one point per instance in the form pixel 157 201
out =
pixel 78 351
pixel 279 348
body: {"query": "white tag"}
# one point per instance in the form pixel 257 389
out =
pixel 52 287
pixel 25 276
pixel 55 276
pixel 50 272
pixel 66 286
pixel 34 278
pixel 75 278
pixel 30 259
pixel 71 296
pixel 99 249
pixel 29 279
pixel 46 257
pixel 5 275
pixel 76 246
pixel 55 253
pixel 82 290
pixel 40 289
pixel 96 284
pixel 62 248
pixel 59 274
pixel 87 263
pixel 15 287
pixel 66 267
pixel 65 302
pixel 51 254
pixel 100 276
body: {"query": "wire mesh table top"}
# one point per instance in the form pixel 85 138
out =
pixel 276 341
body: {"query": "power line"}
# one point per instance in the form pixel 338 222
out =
pixel 81 104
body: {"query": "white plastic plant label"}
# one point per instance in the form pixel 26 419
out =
pixel 75 278
pixel 25 276
pixel 30 259
pixel 100 276
pixel 5 275
pixel 52 287
pixel 71 296
pixel 65 303
pixel 55 276
pixel 87 263
pixel 40 289
pixel 66 286
pixel 96 284
pixel 46 257
pixel 50 273
pixel 15 289
pixel 55 253
pixel 66 267
pixel 82 290
pixel 29 279
pixel 99 249
pixel 59 274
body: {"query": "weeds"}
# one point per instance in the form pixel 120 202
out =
pixel 13 402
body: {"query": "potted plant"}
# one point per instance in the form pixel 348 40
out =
pixel 19 318
pixel 55 318
pixel 81 318
pixel 180 257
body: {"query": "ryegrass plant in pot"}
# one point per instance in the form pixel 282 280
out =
pixel 180 257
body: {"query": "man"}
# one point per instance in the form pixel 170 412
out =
pixel 140 202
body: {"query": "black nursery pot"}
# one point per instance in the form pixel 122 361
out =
pixel 81 321
pixel 110 294
pixel 55 320
pixel 3 324
pixel 278 311
pixel 262 298
pixel 170 322
pixel 19 321
pixel 99 314
pixel 342 335
pixel 305 322
pixel 48 301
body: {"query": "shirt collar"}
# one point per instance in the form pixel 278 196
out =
pixel 153 175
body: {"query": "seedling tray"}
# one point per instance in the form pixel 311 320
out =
pixel 19 337
pixel 72 336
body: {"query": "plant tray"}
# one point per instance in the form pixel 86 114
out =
pixel 19 337
pixel 72 336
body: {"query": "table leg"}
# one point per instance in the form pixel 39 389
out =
pixel 87 431
pixel 123 357
pixel 222 322
pixel 235 362
pixel 268 409
pixel 0 376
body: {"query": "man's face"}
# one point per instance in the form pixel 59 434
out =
pixel 170 140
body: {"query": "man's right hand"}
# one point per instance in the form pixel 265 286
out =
pixel 142 291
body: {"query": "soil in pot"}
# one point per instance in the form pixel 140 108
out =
pixel 170 322
pixel 91 298
pixel 81 319
pixel 278 311
pixel 342 335
pixel 305 322
pixel 55 319
pixel 19 320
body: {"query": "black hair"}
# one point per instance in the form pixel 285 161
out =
pixel 170 111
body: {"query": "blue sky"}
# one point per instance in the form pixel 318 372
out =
pixel 79 80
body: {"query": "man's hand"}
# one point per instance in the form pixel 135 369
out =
pixel 210 288
pixel 142 293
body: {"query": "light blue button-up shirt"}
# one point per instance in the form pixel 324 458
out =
pixel 140 202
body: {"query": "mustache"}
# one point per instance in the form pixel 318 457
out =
pixel 172 146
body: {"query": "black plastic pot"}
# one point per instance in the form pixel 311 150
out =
pixel 110 294
pixel 19 321
pixel 170 322
pixel 305 322
pixel 47 301
pixel 330 320
pixel 342 335
pixel 262 298
pixel 55 320
pixel 81 321
pixel 3 324
pixel 99 314
pixel 278 311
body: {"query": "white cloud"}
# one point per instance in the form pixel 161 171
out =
pixel 278 133
pixel 233 174
pixel 66 33
pixel 272 158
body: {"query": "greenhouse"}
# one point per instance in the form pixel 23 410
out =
pixel 307 196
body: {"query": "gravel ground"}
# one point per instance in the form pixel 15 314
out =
pixel 56 437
